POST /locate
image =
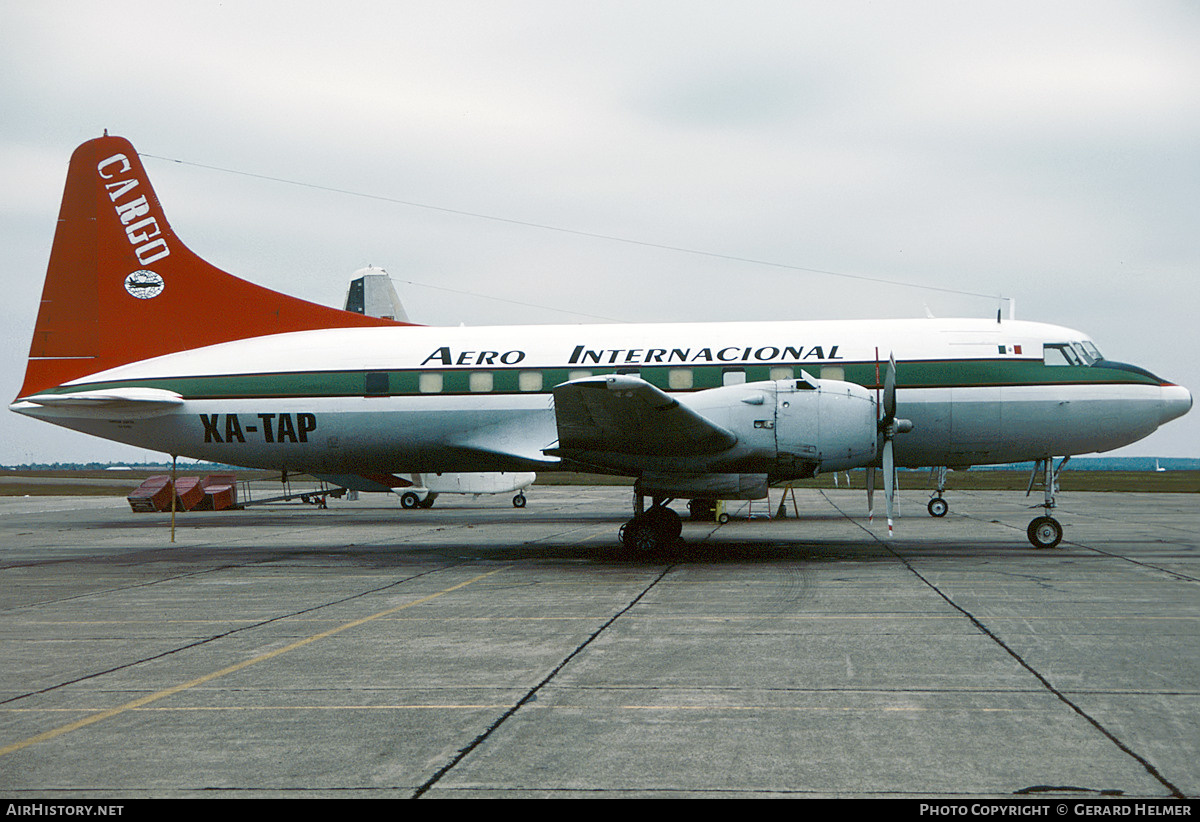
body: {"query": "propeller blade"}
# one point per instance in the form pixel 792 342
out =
pixel 889 480
pixel 889 390
pixel 870 494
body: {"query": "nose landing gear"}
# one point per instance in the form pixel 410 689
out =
pixel 1044 532
pixel 938 507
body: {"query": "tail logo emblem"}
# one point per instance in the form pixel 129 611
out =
pixel 144 284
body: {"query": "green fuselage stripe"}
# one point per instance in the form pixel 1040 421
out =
pixel 406 382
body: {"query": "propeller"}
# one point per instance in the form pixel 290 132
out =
pixel 889 427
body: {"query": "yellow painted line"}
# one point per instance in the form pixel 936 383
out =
pixel 335 708
pixel 186 709
pixel 811 709
pixel 154 697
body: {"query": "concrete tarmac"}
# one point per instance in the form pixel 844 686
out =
pixel 476 650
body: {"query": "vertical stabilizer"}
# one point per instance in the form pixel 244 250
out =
pixel 372 293
pixel 121 287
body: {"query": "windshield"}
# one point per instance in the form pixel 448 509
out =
pixel 1060 354
pixel 1082 352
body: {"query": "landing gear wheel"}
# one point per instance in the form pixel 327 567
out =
pixel 665 520
pixel 519 501
pixel 938 507
pixel 648 532
pixel 639 535
pixel 1044 532
pixel 409 500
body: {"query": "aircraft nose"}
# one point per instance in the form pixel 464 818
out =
pixel 1177 401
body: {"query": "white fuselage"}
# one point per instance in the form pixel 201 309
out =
pixel 479 399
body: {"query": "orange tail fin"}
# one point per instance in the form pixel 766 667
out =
pixel 121 287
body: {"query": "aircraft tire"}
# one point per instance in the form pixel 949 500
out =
pixel 409 500
pixel 665 520
pixel 1044 532
pixel 638 535
pixel 938 507
pixel 651 531
pixel 519 501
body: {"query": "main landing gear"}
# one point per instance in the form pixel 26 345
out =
pixel 1045 531
pixel 651 529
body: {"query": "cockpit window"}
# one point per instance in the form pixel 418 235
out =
pixel 1083 353
pixel 1060 354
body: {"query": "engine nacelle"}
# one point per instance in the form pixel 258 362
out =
pixel 831 422
pixel 794 428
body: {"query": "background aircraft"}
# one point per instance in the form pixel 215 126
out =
pixel 372 294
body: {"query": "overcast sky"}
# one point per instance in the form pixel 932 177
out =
pixel 1048 152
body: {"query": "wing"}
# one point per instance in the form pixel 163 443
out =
pixel 622 414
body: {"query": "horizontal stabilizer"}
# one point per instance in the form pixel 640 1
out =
pixel 120 403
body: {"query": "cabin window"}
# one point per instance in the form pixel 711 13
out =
pixel 833 372
pixel 733 376
pixel 529 381
pixel 377 384
pixel 481 381
pixel 679 379
pixel 430 382
pixel 578 375
pixel 783 372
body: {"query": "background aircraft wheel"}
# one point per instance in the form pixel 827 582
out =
pixel 409 500
pixel 519 501
pixel 938 507
pixel 724 518
pixel 1044 532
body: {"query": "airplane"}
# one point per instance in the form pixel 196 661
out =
pixel 420 490
pixel 141 341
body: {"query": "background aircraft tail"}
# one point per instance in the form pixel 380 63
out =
pixel 121 287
